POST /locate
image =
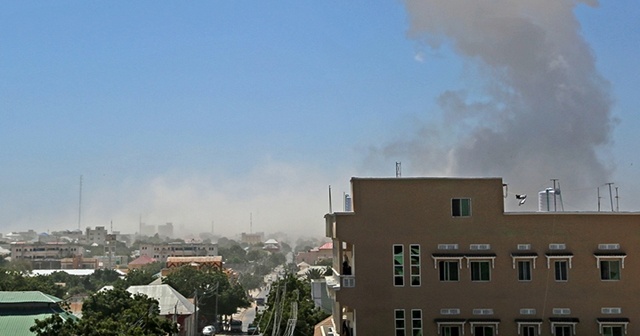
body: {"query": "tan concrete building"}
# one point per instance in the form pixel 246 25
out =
pixel 440 256
pixel 161 252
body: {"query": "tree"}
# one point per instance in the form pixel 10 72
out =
pixel 111 313
pixel 284 292
pixel 209 284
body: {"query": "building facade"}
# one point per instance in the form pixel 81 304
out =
pixel 43 251
pixel 161 252
pixel 96 236
pixel 440 256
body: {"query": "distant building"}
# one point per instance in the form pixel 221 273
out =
pixel 316 254
pixel 272 245
pixel 42 251
pixel 96 236
pixel 140 262
pixel 78 262
pixel 252 238
pixel 166 230
pixel 73 236
pixel 29 236
pixel 161 252
pixel 147 230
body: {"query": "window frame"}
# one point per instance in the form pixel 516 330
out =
pixel 602 258
pixel 525 274
pixel 526 323
pixel 478 271
pixel 447 259
pixel 492 323
pixel 402 320
pixel 415 266
pixel 458 208
pixel 563 322
pixel 561 270
pixel 398 268
pixel 621 322
pixel 416 322
pixel 443 323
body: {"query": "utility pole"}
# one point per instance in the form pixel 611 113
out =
pixel 80 204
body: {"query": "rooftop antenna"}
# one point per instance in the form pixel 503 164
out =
pixel 610 194
pixel 617 201
pixel 212 227
pixel 80 204
pixel 251 222
pixel 330 207
pixel 599 199
pixel 398 169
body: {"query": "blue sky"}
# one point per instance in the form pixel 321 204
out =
pixel 209 111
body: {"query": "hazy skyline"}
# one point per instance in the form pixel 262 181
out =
pixel 210 111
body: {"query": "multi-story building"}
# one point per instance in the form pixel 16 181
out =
pixel 440 256
pixel 252 238
pixel 44 251
pixel 161 252
pixel 315 254
pixel 96 236
pixel 165 230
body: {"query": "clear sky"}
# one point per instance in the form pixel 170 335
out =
pixel 209 111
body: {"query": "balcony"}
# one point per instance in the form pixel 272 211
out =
pixel 337 281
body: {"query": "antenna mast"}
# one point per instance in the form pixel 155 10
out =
pixel 251 222
pixel 398 169
pixel 330 207
pixel 80 205
pixel 610 195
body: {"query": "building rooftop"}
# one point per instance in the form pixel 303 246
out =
pixel 27 296
pixel 170 300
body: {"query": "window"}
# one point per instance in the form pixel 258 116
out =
pixel 400 322
pixel 610 269
pixel 562 330
pixel 483 331
pixel 561 271
pixel 447 246
pixel 476 247
pixel 613 326
pixel 524 270
pixel 448 270
pixel 527 311
pixel 450 311
pixel 561 311
pixel 612 331
pixel 529 330
pixel 414 259
pixel 480 270
pixel 524 247
pixel 416 322
pixel 450 331
pixel 461 207
pixel 611 310
pixel 614 246
pixel 398 265
pixel 557 246
pixel 482 311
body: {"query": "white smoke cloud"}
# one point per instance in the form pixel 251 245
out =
pixel 543 110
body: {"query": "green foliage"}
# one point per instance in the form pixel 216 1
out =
pixel 137 277
pixel 316 273
pixel 284 292
pixel 111 313
pixel 233 254
pixel 18 281
pixel 251 281
pixel 209 284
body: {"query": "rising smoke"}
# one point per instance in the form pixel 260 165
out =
pixel 542 110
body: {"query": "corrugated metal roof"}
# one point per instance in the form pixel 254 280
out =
pixel 18 322
pixel 29 296
pixel 170 300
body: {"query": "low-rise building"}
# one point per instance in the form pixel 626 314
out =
pixel 161 252
pixel 316 254
pixel 19 310
pixel 43 251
